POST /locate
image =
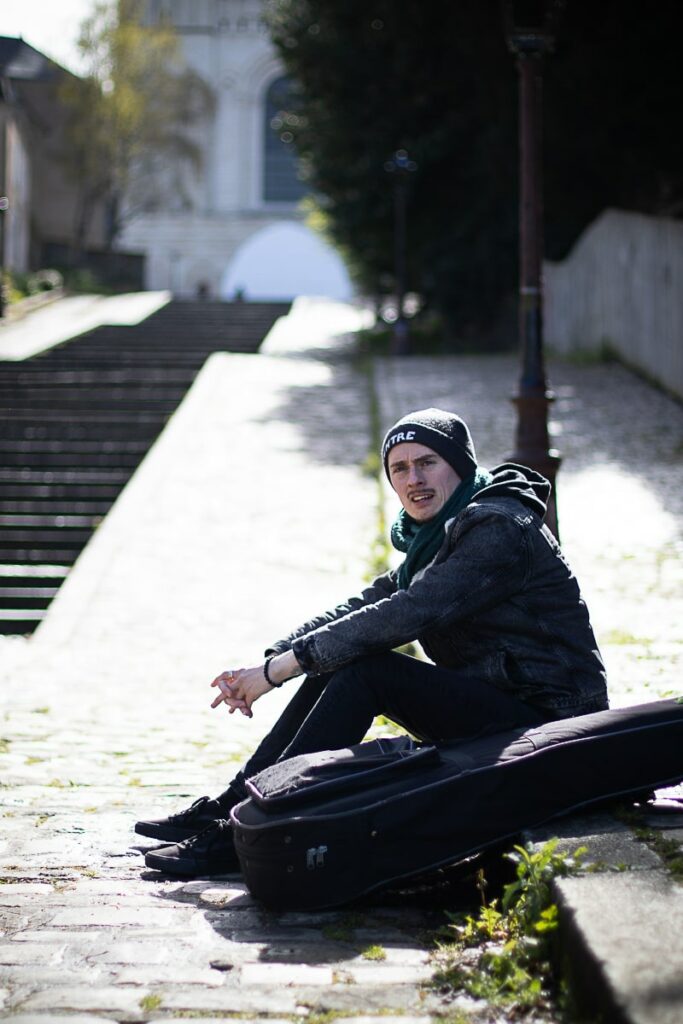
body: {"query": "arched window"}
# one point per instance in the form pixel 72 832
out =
pixel 280 181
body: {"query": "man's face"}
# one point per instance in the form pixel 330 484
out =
pixel 422 479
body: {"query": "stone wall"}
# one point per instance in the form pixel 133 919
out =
pixel 621 289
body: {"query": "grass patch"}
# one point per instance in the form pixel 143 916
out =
pixel 150 1002
pixel 503 954
pixel 374 952
pixel 621 636
pixel 380 549
pixel 667 849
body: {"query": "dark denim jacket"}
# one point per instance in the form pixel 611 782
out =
pixel 499 603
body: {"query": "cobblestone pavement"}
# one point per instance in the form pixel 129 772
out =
pixel 249 513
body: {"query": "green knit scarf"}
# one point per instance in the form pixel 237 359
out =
pixel 421 541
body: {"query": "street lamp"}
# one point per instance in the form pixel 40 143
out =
pixel 530 32
pixel 400 166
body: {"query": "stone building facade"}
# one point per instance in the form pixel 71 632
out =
pixel 237 227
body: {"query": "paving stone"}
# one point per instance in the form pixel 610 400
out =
pixel 387 974
pixel 178 974
pixel 118 917
pixel 179 1019
pixel 260 1001
pixel 82 998
pixel 72 1018
pixel 26 953
pixel 285 974
pixel 387 1019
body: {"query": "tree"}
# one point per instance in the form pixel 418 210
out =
pixel 372 78
pixel 435 78
pixel 130 129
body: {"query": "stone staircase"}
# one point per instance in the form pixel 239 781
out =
pixel 75 423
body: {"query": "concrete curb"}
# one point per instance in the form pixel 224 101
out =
pixel 620 942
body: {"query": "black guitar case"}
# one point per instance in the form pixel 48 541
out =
pixel 322 829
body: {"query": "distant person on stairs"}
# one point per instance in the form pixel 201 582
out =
pixel 485 590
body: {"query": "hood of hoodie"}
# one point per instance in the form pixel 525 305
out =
pixel 520 482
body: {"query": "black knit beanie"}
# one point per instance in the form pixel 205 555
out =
pixel 443 432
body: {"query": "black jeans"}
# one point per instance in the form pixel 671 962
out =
pixel 332 711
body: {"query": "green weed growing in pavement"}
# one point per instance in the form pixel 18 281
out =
pixel 512 934
pixel 150 1002
pixel 374 952
pixel 380 550
pixel 668 849
pixel 620 636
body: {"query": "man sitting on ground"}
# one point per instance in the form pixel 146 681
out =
pixel 483 587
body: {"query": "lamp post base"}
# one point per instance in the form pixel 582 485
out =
pixel 532 446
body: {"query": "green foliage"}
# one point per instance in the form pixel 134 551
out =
pixel 374 952
pixel 150 1002
pixel 18 285
pixel 668 849
pixel 436 78
pixel 512 934
pixel 371 80
pixel 129 134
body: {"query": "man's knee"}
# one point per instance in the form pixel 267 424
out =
pixel 370 674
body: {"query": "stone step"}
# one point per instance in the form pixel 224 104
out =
pixel 44 536
pixel 69 430
pixel 14 476
pixel 74 460
pixel 76 421
pixel 114 416
pixel 28 375
pixel 62 492
pixel 26 597
pixel 18 621
pixel 54 507
pixel 93 395
pixel 77 446
pixel 36 554
pixel 36 521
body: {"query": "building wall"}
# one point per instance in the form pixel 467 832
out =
pixel 192 248
pixel 621 288
pixel 54 194
pixel 18 188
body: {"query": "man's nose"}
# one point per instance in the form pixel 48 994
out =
pixel 415 475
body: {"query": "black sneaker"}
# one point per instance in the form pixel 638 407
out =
pixel 211 852
pixel 185 824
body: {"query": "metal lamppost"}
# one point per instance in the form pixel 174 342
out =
pixel 530 30
pixel 400 166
